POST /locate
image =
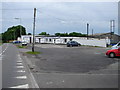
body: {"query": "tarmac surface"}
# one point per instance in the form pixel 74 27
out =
pixel 59 66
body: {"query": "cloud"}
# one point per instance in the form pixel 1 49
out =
pixel 60 16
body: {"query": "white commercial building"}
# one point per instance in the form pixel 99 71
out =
pixel 63 40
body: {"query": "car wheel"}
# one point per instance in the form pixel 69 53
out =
pixel 78 44
pixel 112 55
pixel 70 45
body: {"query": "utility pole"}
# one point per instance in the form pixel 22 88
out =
pixel 113 26
pixel 92 32
pixel 34 30
pixel 87 30
pixel 112 29
pixel 20 28
pixel 20 25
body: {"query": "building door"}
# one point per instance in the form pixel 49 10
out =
pixel 65 40
pixel 30 40
pixel 39 40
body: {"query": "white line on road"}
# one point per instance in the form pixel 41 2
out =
pixel 21 77
pixel 21 86
pixel 20 66
pixel 20 63
pixel 4 50
pixel 21 71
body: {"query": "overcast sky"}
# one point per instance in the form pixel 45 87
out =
pixel 63 17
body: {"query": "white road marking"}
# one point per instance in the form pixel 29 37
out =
pixel 4 50
pixel 21 86
pixel 19 63
pixel 20 66
pixel 21 71
pixel 21 77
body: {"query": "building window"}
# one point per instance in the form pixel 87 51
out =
pixel 65 40
pixel 50 39
pixel 46 39
pixel 70 39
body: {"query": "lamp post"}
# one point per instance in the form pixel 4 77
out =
pixel 20 26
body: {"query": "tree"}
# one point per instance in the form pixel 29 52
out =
pixel 13 33
pixel 73 34
pixel 44 33
pixel 57 34
pixel 29 34
pixel 61 34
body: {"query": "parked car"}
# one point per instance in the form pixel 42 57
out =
pixel 24 43
pixel 113 53
pixel 116 46
pixel 16 42
pixel 73 43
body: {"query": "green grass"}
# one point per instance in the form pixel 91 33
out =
pixel 34 53
pixel 109 46
pixel 92 46
pixel 19 46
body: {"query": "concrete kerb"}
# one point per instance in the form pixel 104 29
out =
pixel 29 67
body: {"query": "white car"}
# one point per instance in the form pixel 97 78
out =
pixel 116 46
pixel 24 43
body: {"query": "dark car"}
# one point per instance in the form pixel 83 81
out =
pixel 16 42
pixel 73 43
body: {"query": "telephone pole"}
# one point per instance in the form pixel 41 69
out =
pixel 112 29
pixel 20 25
pixel 92 32
pixel 87 30
pixel 34 30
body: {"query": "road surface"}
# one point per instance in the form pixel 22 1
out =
pixel 77 67
pixel 15 73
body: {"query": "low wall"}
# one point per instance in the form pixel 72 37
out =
pixel 92 42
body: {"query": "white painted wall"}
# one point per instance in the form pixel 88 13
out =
pixel 61 40
pixel 92 42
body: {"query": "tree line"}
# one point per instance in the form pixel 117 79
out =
pixel 74 34
pixel 14 32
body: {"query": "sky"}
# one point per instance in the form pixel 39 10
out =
pixel 53 17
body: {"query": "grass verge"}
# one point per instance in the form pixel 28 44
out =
pixel 34 53
pixel 19 46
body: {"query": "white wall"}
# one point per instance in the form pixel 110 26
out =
pixel 61 40
pixel 92 42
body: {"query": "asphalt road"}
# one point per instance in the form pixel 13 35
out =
pixel 76 67
pixel 14 71
pixel 0 67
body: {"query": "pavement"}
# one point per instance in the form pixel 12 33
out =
pixel 15 74
pixel 59 66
